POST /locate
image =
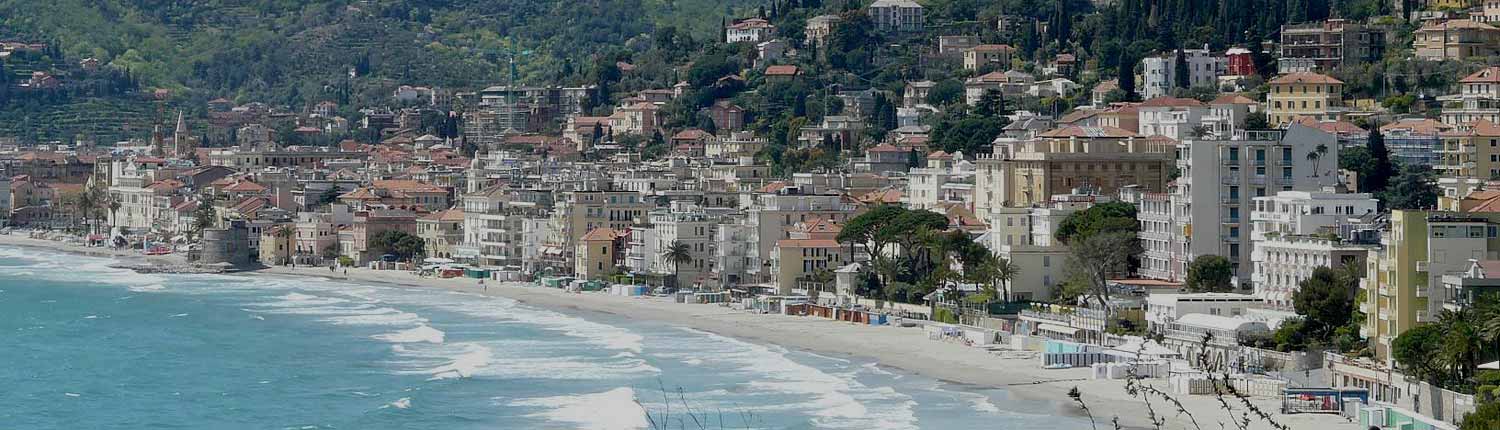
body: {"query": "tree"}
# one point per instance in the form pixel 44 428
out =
pixel 1486 417
pixel 995 273
pixel 1316 155
pixel 1095 259
pixel 991 104
pixel 1326 302
pixel 1415 350
pixel 1101 218
pixel 1383 169
pixel 677 254
pixel 1257 121
pixel 1125 75
pixel 1415 188
pixel 204 217
pixel 1181 77
pixel 403 245
pixel 1210 274
pixel 945 92
pixel 1461 344
pixel 329 195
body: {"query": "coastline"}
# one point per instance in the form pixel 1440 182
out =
pixel 903 348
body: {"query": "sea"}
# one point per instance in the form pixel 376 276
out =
pixel 83 345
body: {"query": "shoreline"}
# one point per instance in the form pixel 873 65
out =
pixel 907 349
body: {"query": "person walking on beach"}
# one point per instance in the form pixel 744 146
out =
pixel 482 285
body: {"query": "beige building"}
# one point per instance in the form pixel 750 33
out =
pixel 1478 99
pixel 1303 94
pixel 1456 39
pixel 1474 153
pixel 598 254
pixel 982 56
pixel 809 250
pixel 1056 162
pixel 441 231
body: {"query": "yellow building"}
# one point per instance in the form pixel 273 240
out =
pixel 276 244
pixel 1402 286
pixel 1474 153
pixel 983 56
pixel 1455 39
pixel 809 249
pixel 1060 160
pixel 1303 94
pixel 597 254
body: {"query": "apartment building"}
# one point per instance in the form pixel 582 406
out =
pixel 1101 159
pixel 897 15
pixel 1159 72
pixel 1213 198
pixel 1478 100
pixel 1296 232
pixel 1332 43
pixel 1473 153
pixel 1303 94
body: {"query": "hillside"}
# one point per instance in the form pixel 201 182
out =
pixel 286 51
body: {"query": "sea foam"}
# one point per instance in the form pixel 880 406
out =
pixel 420 333
pixel 615 409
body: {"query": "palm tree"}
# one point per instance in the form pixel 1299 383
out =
pixel 1316 156
pixel 1460 349
pixel 677 254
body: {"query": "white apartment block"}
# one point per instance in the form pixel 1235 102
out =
pixel 1295 232
pixel 896 15
pixel 946 179
pixel 682 223
pixel 1212 201
pixel 1170 116
pixel 1204 69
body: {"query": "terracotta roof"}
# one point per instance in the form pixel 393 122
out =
pixel 939 155
pixel 1456 24
pixel 1487 75
pixel 165 185
pixel 690 134
pixel 1335 127
pixel 1077 131
pixel 599 234
pixel 454 214
pixel 1491 268
pixel 1107 86
pixel 1169 101
pixel 772 187
pixel 885 147
pixel 808 243
pixel 817 225
pixel 1427 126
pixel 993 48
pixel 245 187
pixel 1232 99
pixel 781 70
pixel 407 186
pixel 888 195
pixel 1305 78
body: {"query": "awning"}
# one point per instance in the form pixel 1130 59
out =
pixel 1059 329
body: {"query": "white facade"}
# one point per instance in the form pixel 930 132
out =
pixel 1212 201
pixel 1165 309
pixel 681 223
pixel 896 15
pixel 1204 69
pixel 942 181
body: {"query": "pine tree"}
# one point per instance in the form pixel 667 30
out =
pixel 1126 75
pixel 1380 175
pixel 1180 71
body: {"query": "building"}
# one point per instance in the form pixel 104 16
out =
pixel 441 232
pixel 1331 44
pixel 1473 153
pixel 681 223
pixel 956 44
pixel 598 253
pixel 1101 159
pixel 1296 232
pixel 1455 39
pixel 753 30
pixel 989 57
pixel 1240 62
pixel 1464 289
pixel 1303 94
pixel 819 27
pixel 1403 284
pixel 371 223
pixel 1159 72
pixel 1213 199
pixel 897 15
pixel 726 116
pixel 1175 118
pixel 947 179
pixel 1478 99
pixel 1415 141
pixel 804 262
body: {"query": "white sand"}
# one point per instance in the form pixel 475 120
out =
pixel 908 349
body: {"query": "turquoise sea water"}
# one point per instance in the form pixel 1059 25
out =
pixel 86 346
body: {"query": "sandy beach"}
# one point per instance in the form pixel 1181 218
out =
pixel 908 349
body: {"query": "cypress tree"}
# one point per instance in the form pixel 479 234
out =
pixel 1380 175
pixel 1180 71
pixel 1126 75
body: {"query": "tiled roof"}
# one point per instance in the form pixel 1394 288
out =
pixel 1305 78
